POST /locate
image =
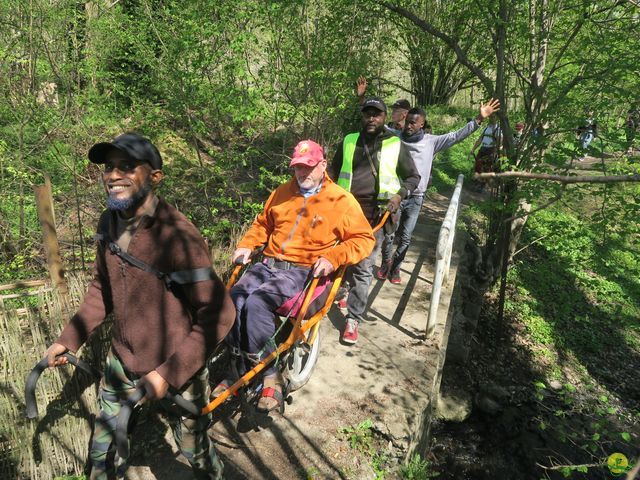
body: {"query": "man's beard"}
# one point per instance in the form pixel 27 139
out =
pixel 123 204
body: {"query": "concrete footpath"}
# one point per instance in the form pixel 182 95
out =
pixel 389 376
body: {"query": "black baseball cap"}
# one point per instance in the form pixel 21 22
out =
pixel 134 145
pixel 374 103
pixel 402 103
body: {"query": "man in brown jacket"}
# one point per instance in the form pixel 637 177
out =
pixel 153 273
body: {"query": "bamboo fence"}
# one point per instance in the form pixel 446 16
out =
pixel 56 443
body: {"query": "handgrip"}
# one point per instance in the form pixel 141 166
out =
pixel 41 366
pixel 122 426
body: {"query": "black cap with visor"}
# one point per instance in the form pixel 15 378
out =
pixel 134 145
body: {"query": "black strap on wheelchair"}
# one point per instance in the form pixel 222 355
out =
pixel 182 277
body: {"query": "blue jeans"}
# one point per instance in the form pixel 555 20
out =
pixel 409 211
pixel 585 139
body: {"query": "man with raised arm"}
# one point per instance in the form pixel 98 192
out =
pixel 153 274
pixel 375 166
pixel 399 109
pixel 309 227
pixel 422 148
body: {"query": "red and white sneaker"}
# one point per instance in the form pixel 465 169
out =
pixel 383 271
pixel 395 277
pixel 342 303
pixel 350 333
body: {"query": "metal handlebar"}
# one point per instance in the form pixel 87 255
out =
pixel 122 441
pixel 122 426
pixel 41 366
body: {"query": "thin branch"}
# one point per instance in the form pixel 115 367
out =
pixel 449 41
pixel 560 467
pixel 559 178
pixel 557 197
pixel 529 244
pixel 516 70
pixel 393 84
pixel 578 26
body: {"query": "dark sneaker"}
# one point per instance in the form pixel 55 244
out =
pixel 350 333
pixel 395 277
pixel 383 271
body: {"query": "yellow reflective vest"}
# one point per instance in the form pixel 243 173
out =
pixel 388 181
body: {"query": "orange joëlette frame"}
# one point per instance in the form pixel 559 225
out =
pixel 297 332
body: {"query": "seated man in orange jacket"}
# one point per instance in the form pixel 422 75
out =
pixel 300 224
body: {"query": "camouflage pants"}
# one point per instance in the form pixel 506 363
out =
pixel 190 434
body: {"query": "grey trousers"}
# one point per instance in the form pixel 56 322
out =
pixel 360 276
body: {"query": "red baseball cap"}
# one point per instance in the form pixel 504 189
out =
pixel 308 153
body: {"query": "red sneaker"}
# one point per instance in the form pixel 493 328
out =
pixel 342 303
pixel 395 277
pixel 350 333
pixel 383 271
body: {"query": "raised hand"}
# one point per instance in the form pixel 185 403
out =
pixel 492 106
pixel 361 86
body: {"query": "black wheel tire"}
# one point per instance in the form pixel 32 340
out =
pixel 299 365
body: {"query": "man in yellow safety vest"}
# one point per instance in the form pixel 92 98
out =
pixel 376 168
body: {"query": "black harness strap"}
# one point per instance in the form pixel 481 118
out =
pixel 182 277
pixel 196 275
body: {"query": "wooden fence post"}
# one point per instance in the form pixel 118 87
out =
pixel 44 204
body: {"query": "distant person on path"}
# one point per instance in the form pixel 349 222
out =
pixel 632 127
pixel 375 166
pixel 490 142
pixel 517 134
pixel 586 132
pixel 165 325
pixel 422 147
pixel 310 227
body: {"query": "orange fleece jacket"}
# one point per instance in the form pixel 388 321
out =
pixel 301 230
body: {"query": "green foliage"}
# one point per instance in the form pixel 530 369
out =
pixel 224 89
pixel 417 469
pixel 602 419
pixel 577 297
pixel 361 439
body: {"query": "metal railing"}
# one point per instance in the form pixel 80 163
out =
pixel 443 254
